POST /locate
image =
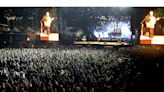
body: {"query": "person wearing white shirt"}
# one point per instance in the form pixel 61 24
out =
pixel 150 23
pixel 46 23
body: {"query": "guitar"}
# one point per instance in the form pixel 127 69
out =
pixel 147 23
pixel 151 21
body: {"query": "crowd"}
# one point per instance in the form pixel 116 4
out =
pixel 70 69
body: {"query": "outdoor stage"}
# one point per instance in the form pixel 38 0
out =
pixel 157 40
pixel 100 43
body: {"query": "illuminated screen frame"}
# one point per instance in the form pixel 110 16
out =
pixel 50 37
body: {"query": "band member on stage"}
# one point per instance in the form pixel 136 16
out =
pixel 150 22
pixel 46 23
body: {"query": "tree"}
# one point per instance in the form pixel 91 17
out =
pixel 8 15
pixel 159 12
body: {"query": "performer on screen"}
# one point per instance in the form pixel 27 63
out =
pixel 46 23
pixel 150 21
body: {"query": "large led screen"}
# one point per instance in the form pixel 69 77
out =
pixel 113 28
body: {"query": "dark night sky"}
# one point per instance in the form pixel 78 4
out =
pixel 81 14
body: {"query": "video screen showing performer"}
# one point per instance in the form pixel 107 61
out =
pixel 46 23
pixel 149 21
pixel 46 33
pixel 149 29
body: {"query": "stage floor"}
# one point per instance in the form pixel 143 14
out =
pixel 99 43
pixel 156 39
